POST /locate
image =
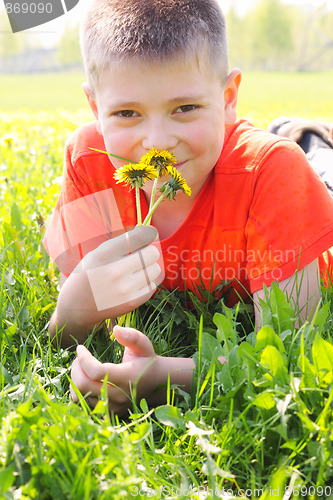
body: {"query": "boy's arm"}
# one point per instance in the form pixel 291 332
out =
pixel 110 281
pixel 148 373
pixel 141 370
pixel 303 288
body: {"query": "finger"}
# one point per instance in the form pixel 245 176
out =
pixel 93 368
pixel 74 369
pixel 137 288
pixel 136 285
pixel 139 237
pixel 118 401
pixel 82 383
pixel 136 299
pixel 91 373
pixel 147 276
pixel 127 282
pixel 134 340
pixel 125 244
pixel 138 260
pixel 118 375
pixel 90 400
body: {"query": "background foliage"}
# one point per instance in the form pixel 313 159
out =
pixel 274 36
pixel 263 35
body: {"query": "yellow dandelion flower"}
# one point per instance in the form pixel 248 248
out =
pixel 135 174
pixel 168 190
pixel 176 182
pixel 8 139
pixel 161 160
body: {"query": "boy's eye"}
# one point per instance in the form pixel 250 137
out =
pixel 126 113
pixel 186 108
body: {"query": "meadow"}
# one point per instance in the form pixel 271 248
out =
pixel 258 427
pixel 263 96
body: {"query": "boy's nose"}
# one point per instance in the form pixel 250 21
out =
pixel 159 136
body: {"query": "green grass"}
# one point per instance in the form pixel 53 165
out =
pixel 263 96
pixel 42 92
pixel 261 423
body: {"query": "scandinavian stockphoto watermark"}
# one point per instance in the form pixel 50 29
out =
pixel 26 14
pixel 203 492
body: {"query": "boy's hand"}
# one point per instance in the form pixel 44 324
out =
pixel 110 281
pixel 140 365
pixel 126 266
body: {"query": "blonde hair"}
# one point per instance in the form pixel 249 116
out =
pixel 153 31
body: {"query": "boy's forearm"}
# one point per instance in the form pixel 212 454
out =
pixel 180 371
pixel 68 333
pixel 75 317
pixel 62 334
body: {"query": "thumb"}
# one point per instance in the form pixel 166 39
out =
pixel 134 340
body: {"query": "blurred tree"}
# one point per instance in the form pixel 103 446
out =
pixel 264 38
pixel 316 50
pixel 237 38
pixel 272 35
pixel 69 48
pixel 10 43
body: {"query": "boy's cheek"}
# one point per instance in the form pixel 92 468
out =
pixel 121 144
pixel 211 132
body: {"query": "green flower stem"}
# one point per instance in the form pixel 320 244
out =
pixel 138 204
pixel 146 222
pixel 114 156
pixel 153 192
pixel 125 320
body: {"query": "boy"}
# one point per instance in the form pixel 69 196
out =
pixel 158 77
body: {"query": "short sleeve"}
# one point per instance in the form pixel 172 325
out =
pixel 91 207
pixel 80 226
pixel 290 220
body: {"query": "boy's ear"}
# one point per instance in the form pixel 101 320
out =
pixel 91 101
pixel 231 95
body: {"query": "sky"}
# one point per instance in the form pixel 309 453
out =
pixel 50 32
pixel 243 5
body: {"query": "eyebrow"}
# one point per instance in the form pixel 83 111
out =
pixel 174 101
pixel 188 98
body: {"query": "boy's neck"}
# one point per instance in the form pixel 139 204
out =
pixel 170 215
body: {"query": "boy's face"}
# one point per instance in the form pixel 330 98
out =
pixel 174 106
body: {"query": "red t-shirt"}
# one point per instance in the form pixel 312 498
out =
pixel 262 214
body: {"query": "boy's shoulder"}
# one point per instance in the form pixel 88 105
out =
pixel 247 146
pixel 80 142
